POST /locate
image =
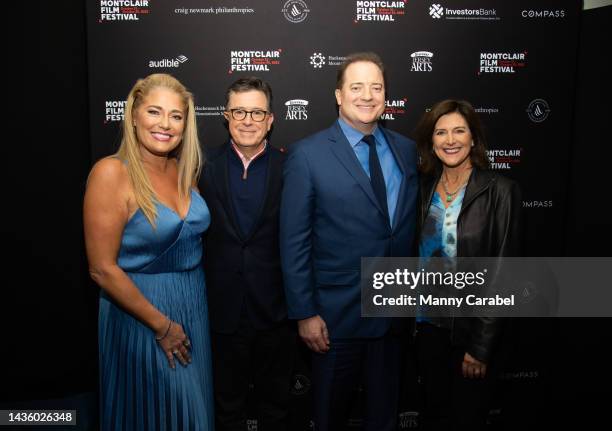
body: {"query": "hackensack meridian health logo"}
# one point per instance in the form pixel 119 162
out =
pixel 254 61
pixel 123 10
pixel 295 11
pixel 297 109
pixel 317 60
pixel 379 10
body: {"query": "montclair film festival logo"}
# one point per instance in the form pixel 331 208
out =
pixel 379 10
pixel 502 62
pixel 394 109
pixel 504 159
pixel 254 61
pixel 114 110
pixel 123 10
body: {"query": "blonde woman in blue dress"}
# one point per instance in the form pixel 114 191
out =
pixel 143 224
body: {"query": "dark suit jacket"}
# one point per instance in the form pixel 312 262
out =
pixel 330 218
pixel 242 270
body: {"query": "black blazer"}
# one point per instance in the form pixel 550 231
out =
pixel 242 272
pixel 489 225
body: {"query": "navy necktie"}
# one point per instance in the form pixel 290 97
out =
pixel 376 175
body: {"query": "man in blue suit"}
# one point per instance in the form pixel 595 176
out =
pixel 349 192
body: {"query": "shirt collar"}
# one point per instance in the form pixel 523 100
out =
pixel 246 160
pixel 354 136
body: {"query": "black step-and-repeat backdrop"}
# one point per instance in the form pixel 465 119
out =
pixel 514 60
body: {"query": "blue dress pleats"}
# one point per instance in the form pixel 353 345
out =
pixel 138 389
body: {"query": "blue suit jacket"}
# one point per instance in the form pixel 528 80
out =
pixel 330 218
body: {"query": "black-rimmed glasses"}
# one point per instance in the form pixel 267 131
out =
pixel 256 115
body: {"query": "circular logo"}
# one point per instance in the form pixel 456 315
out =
pixel 295 10
pixel 300 385
pixel 317 60
pixel 538 110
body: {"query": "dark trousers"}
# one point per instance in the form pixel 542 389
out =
pixel 452 402
pixel 264 357
pixel 337 372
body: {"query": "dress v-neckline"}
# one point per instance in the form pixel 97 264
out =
pixel 182 219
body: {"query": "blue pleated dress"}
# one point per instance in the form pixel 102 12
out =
pixel 138 389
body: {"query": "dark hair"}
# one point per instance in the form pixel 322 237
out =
pixel 370 57
pixel 248 84
pixel 429 163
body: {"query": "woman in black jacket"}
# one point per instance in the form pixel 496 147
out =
pixel 466 211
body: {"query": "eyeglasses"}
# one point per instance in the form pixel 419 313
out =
pixel 256 115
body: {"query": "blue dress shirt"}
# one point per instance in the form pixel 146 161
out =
pixel 391 171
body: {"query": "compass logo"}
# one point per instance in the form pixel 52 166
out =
pixel 317 60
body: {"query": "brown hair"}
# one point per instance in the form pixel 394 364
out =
pixel 248 84
pixel 429 163
pixel 370 57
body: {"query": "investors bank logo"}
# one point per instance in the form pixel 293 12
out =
pixel 438 11
pixel 123 10
pixel 297 109
pixel 295 11
pixel 502 62
pixel 254 61
pixel 386 11
pixel 421 61
pixel 168 62
pixel 538 110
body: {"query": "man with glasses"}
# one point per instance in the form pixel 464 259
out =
pixel 349 192
pixel 252 340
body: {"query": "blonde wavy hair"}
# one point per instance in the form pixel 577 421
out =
pixel 188 153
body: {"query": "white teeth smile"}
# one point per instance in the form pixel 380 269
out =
pixel 452 150
pixel 161 136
